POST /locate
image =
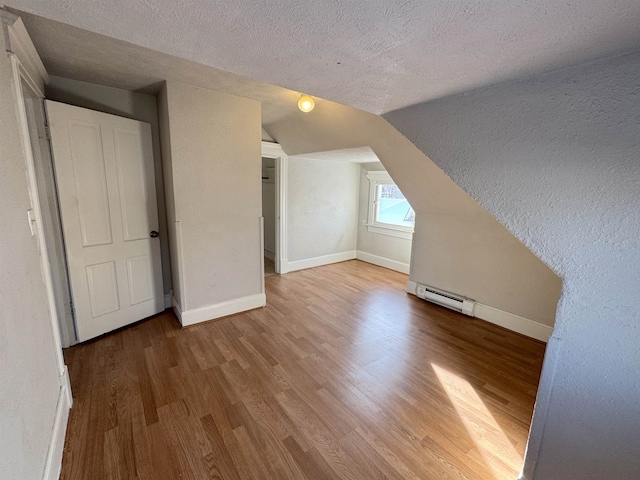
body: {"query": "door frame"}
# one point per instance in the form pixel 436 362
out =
pixel 275 151
pixel 27 67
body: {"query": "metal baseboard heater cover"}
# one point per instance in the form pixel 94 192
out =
pixel 446 299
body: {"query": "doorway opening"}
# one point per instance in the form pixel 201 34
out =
pixel 269 214
pixel 274 216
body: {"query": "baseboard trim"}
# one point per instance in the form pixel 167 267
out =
pixel 168 300
pixel 284 266
pixel 177 309
pixel 319 261
pixel 270 255
pixel 541 410
pixel 507 320
pixel 53 463
pixel 383 262
pixel 222 309
pixel 412 287
pixel 514 322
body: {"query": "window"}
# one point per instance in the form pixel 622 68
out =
pixel 389 211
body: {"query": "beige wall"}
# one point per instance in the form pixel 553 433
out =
pixel 489 265
pixel 212 157
pixel 28 374
pixel 322 211
pixel 485 263
pixel 169 197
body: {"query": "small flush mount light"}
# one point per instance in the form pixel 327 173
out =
pixel 306 103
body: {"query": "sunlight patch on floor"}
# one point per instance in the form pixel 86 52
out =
pixel 497 451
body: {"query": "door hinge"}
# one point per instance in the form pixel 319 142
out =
pixel 47 132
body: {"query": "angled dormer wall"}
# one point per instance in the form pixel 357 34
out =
pixel 556 158
pixel 457 246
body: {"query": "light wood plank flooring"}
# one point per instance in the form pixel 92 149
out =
pixel 342 376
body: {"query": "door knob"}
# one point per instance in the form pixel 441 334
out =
pixel 154 234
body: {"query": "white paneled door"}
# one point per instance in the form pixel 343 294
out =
pixel 106 188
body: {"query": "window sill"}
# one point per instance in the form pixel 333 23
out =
pixel 390 231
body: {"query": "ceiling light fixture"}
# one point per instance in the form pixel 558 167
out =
pixel 306 103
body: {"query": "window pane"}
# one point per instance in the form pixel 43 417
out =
pixel 393 208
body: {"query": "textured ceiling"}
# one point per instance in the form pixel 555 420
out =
pixel 78 54
pixel 370 54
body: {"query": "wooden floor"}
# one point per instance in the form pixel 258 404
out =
pixel 342 376
pixel 269 267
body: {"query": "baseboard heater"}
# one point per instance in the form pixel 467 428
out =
pixel 446 299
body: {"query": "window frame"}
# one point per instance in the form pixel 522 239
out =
pixel 377 178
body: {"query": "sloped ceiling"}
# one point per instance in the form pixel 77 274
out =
pixel 370 54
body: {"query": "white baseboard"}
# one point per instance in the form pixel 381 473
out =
pixel 222 309
pixel 383 262
pixel 270 255
pixel 167 301
pixel 510 321
pixel 177 309
pixel 319 261
pixel 514 322
pixel 284 266
pixel 53 463
pixel 541 410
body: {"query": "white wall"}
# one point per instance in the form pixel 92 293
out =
pixel 322 211
pixel 28 367
pixel 395 249
pixel 556 158
pixel 136 106
pixel 269 206
pixel 211 145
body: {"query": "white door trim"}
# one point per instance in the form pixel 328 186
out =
pixel 275 151
pixel 18 51
pixel 26 67
pixel 272 150
pixel 261 225
pixel 19 44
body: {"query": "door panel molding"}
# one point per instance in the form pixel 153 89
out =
pixel 90 182
pixel 106 188
pixel 103 286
